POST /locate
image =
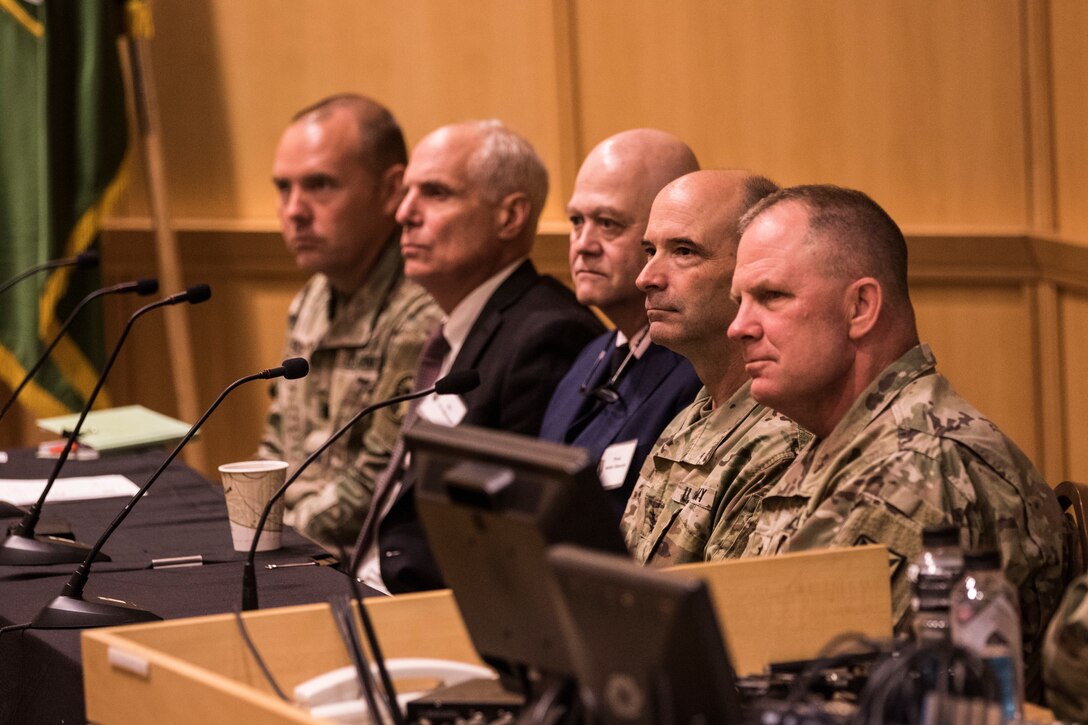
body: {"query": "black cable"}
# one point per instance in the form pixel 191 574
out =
pixel 901 680
pixel 342 615
pixel 14 628
pixel 375 648
pixel 827 657
pixel 257 656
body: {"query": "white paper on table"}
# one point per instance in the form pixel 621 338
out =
pixel 25 491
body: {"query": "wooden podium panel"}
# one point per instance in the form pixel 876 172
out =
pixel 785 608
pixel 199 670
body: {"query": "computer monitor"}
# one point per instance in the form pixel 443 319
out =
pixel 646 644
pixel 491 504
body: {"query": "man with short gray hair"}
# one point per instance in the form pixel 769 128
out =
pixel 473 195
pixel 829 338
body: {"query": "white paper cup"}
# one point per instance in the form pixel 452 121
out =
pixel 248 485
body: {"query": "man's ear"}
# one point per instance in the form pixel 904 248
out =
pixel 391 188
pixel 512 215
pixel 864 300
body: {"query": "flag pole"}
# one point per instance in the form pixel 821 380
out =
pixel 178 335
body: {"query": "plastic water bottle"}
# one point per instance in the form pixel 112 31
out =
pixel 933 576
pixel 986 620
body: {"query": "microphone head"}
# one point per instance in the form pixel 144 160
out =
pixel 196 294
pixel 295 367
pixel 292 368
pixel 87 260
pixel 146 287
pixel 458 382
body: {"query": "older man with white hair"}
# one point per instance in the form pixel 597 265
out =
pixel 473 195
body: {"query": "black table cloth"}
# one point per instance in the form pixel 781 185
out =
pixel 183 514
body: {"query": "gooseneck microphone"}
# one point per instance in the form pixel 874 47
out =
pixel 70 610
pixel 82 261
pixel 141 287
pixel 20 547
pixel 452 384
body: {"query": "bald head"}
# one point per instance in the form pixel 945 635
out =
pixel 613 192
pixel 691 249
pixel 638 162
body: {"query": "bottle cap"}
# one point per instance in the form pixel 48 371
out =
pixel 982 560
pixel 946 535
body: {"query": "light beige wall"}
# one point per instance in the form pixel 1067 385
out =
pixel 882 96
pixel 1069 28
pixel 964 118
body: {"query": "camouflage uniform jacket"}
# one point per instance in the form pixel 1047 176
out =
pixel 698 489
pixel 361 350
pixel 911 453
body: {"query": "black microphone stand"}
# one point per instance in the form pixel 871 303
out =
pixel 21 547
pixel 142 287
pixel 454 383
pixel 71 610
pixel 460 382
pixel 87 259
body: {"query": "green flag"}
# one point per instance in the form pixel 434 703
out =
pixel 62 141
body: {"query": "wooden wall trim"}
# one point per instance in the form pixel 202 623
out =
pixel 1047 344
pixel 935 256
pixel 1039 142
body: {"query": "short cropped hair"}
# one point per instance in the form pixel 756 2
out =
pixel 382 140
pixel 860 238
pixel 506 162
pixel 755 189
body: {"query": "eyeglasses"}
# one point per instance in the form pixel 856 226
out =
pixel 607 393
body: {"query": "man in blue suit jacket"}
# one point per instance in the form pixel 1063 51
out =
pixel 623 389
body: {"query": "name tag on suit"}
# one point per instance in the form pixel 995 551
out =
pixel 443 409
pixel 614 463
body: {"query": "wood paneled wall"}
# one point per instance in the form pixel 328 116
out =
pixel 964 118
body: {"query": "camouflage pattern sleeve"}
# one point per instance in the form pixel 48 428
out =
pixel 699 488
pixel 909 454
pixel 646 500
pixel 272 446
pixel 333 515
pixel 1065 658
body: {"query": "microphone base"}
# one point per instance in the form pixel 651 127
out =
pixel 11 511
pixel 41 550
pixel 78 613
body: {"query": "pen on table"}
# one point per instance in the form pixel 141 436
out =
pixel 322 561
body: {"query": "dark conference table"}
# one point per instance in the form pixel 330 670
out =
pixel 41 671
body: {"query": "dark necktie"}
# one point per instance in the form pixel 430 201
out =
pixel 431 358
pixel 590 405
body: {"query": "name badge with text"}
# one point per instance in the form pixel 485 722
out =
pixel 443 409
pixel 614 463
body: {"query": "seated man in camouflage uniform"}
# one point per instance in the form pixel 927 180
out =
pixel 701 481
pixel 829 339
pixel 359 322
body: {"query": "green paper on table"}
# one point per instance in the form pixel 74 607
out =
pixel 114 429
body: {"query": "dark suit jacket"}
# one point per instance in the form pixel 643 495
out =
pixel 524 340
pixel 653 389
